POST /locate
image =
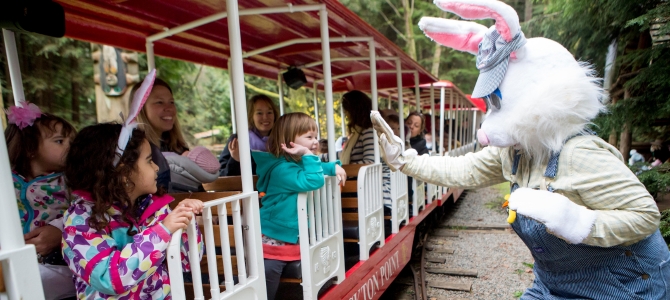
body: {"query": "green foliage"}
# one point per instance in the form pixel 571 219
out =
pixel 587 28
pixel 664 226
pixel 529 265
pixel 517 294
pixel 656 180
pixel 57 76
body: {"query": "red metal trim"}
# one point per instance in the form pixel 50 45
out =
pixel 366 276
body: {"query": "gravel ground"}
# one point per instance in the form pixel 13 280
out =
pixel 503 263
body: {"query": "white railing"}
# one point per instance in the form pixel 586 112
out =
pixel 418 197
pixel 248 249
pixel 321 241
pixel 400 205
pixel 370 209
pixel 20 272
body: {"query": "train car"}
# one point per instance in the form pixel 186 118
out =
pixel 350 247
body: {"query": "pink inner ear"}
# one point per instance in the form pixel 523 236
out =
pixel 462 42
pixel 475 12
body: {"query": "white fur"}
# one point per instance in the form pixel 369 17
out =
pixel 547 97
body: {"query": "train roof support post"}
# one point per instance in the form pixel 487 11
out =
pixel 280 89
pixel 233 118
pixel 451 127
pixel 417 92
pixel 442 124
pixel 432 118
pixel 22 281
pixel 373 90
pixel 401 113
pixel 316 111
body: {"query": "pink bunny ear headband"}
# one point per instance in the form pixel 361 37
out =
pixel 130 123
pixel 23 115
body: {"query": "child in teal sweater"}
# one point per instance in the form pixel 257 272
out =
pixel 283 173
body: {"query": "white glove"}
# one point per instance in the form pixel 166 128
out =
pixel 562 217
pixel 390 150
pixel 393 155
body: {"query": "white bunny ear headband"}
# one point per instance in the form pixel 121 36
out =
pixel 130 123
pixel 492 46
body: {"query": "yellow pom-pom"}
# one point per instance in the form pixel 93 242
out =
pixel 512 216
pixel 507 197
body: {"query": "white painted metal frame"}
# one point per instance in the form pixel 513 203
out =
pixel 400 198
pixel 370 209
pixel 250 285
pixel 418 197
pixel 18 259
pixel 321 240
pixel 431 189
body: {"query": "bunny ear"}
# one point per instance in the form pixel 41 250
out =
pixel 459 35
pixel 141 96
pixel 507 21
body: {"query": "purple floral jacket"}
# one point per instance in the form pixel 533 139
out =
pixel 110 264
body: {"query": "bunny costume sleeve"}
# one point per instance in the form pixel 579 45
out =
pixel 590 174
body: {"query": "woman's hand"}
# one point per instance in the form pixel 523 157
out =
pixel 179 218
pixel 234 149
pixel 296 149
pixel 341 175
pixel 45 239
pixel 194 204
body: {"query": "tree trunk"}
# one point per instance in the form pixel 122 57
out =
pixel 626 134
pixel 74 85
pixel 409 29
pixel 436 60
pixel 435 69
pixel 528 11
pixel 613 134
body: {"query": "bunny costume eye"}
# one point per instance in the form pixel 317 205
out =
pixel 493 100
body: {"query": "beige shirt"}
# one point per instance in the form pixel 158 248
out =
pixel 590 173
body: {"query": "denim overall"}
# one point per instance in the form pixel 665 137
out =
pixel 567 271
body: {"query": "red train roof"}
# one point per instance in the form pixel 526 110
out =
pixel 127 23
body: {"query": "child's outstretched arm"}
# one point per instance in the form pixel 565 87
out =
pixel 106 266
pixel 335 169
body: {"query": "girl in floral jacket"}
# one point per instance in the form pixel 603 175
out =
pixel 118 228
pixel 37 144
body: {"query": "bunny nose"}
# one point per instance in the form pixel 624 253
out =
pixel 482 138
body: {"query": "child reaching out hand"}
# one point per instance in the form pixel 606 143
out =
pixel 289 168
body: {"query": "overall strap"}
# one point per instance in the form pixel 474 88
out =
pixel 552 166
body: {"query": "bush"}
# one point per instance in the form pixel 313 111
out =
pixel 656 180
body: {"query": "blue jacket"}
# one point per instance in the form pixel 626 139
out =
pixel 282 180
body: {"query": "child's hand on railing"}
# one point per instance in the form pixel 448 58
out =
pixel 341 175
pixel 296 149
pixel 179 218
pixel 194 204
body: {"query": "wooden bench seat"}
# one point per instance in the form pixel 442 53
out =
pixel 227 183
pixel 2 282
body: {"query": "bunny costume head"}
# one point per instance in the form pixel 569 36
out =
pixel 537 94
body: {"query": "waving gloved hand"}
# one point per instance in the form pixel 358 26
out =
pixel 391 145
pixel 562 217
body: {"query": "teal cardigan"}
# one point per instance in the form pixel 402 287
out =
pixel 282 180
